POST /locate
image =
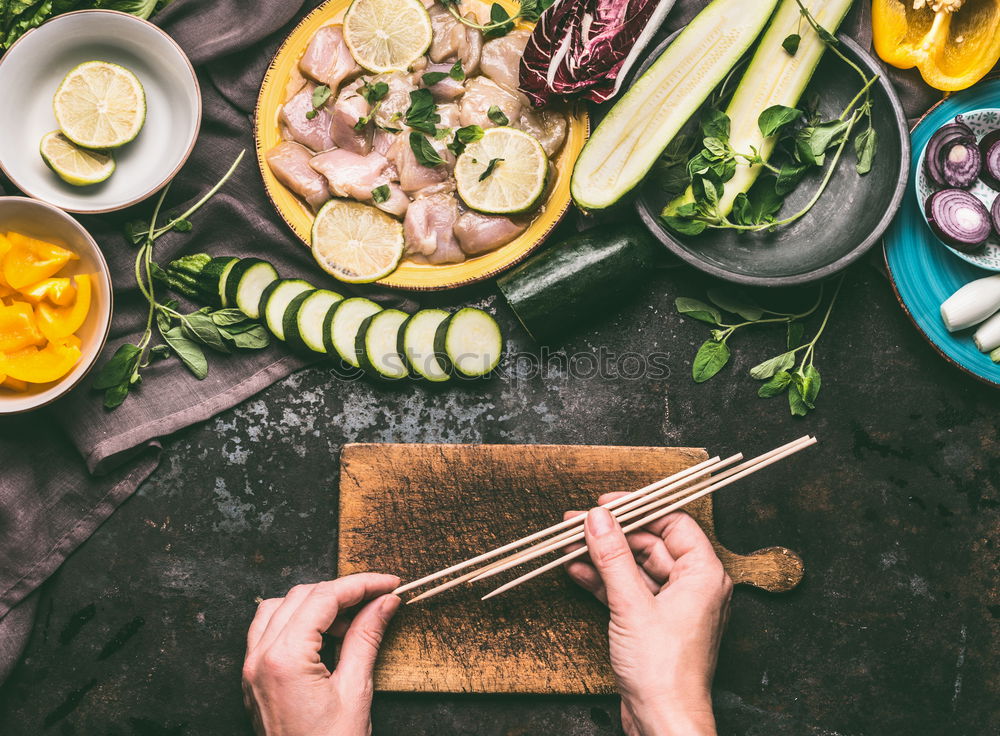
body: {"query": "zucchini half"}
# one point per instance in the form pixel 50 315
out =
pixel 416 344
pixel 341 327
pixel 377 341
pixel 246 282
pixel 469 342
pixel 275 303
pixel 773 77
pixel 629 140
pixel 304 319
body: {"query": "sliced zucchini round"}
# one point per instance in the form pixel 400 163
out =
pixel 275 301
pixel 378 341
pixel 470 342
pixel 213 276
pixel 341 327
pixel 304 319
pixel 246 282
pixel 416 344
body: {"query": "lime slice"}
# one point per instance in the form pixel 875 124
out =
pixel 74 165
pixel 387 35
pixel 503 172
pixel 355 242
pixel 100 105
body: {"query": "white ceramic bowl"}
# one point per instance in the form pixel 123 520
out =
pixel 982 122
pixel 32 69
pixel 43 221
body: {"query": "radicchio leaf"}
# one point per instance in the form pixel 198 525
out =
pixel 585 48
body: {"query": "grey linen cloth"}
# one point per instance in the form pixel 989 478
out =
pixel 67 468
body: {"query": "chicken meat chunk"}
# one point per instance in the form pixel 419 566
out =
pixel 478 233
pixel 414 176
pixel 483 93
pixel 349 108
pixel 351 175
pixel 429 229
pixel 448 89
pixel 290 164
pixel 327 59
pixel 547 126
pixel 501 58
pixel 314 134
pixel 454 40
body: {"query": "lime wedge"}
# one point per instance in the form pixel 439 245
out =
pixel 503 172
pixel 387 35
pixel 74 165
pixel 355 242
pixel 100 105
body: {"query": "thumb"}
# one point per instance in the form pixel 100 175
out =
pixel 362 640
pixel 611 555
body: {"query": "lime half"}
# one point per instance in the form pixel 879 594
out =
pixel 387 35
pixel 504 172
pixel 100 105
pixel 74 165
pixel 355 242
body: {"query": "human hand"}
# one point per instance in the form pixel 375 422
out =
pixel 286 687
pixel 668 595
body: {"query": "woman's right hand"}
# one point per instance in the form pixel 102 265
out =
pixel 668 595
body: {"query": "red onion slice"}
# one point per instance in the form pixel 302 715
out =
pixel 943 138
pixel 958 219
pixel 989 147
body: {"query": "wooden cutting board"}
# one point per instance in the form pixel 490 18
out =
pixel 415 509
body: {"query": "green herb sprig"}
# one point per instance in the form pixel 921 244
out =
pixel 501 22
pixel 320 96
pixel 793 372
pixel 184 335
pixel 456 72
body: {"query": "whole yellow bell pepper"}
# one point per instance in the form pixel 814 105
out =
pixel 954 43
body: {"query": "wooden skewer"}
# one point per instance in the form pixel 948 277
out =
pixel 574 525
pixel 749 467
pixel 645 507
pixel 701 468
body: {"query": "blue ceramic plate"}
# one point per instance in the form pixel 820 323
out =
pixel 924 273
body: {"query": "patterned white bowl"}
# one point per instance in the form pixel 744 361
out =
pixel 981 121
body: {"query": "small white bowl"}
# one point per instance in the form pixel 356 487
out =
pixel 45 222
pixel 32 69
pixel 981 121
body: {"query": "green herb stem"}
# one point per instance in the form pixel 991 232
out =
pixel 197 205
pixel 811 351
pixel 862 92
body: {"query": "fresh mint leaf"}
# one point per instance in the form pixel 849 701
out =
pixel 735 301
pixel 775 118
pixel 137 231
pixel 255 338
pixel 457 72
pixel 497 115
pixel 778 384
pixel 490 167
pixel 798 407
pixel 770 367
pixel 715 124
pixel 716 146
pixel 698 310
pixel 115 395
pixel 320 96
pixel 190 354
pixel 422 113
pixel 711 358
pixel 500 22
pixel 531 10
pixel 227 317
pixel 463 137
pixel 865 147
pixel 380 193
pixel 789 178
pixel 311 114
pixel 373 93
pixel 794 336
pixel 423 151
pixel 791 43
pixel 431 78
pixel 684 225
pixel 182 226
pixel 200 328
pixel 118 369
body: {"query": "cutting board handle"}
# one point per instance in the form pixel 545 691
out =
pixel 774 569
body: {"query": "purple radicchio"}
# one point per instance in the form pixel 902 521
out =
pixel 585 48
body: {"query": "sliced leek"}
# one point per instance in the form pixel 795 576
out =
pixel 631 137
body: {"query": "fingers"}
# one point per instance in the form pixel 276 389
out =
pixel 612 558
pixel 685 541
pixel 282 613
pixel 317 612
pixel 264 613
pixel 362 641
pixel 652 555
pixel 586 576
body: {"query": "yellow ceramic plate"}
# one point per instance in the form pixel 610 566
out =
pixel 408 275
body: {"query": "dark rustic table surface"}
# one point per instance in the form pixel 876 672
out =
pixel 894 630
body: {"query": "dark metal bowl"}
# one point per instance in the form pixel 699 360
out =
pixel 845 223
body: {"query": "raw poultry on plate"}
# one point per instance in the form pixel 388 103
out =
pixel 357 145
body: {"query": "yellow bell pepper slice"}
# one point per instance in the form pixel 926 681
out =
pixel 18 327
pixel 954 43
pixel 29 260
pixel 60 322
pixel 49 364
pixel 14 385
pixel 58 291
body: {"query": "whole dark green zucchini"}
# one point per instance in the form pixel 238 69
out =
pixel 554 291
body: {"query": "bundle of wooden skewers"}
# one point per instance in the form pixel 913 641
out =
pixel 633 510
